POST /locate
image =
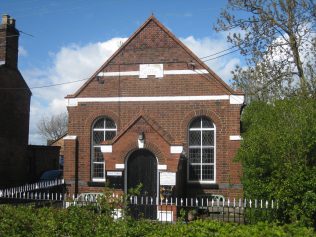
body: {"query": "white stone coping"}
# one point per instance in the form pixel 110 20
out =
pixel 176 149
pixel 233 99
pixel 120 166
pixel 162 167
pixel 70 137
pixel 236 99
pixel 165 72
pixel 106 148
pixel 235 138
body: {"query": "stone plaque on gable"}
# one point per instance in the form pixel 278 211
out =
pixel 146 70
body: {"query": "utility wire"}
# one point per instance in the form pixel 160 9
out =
pixel 58 84
pixel 26 33
pixel 70 82
pixel 45 86
pixel 222 51
pixel 220 55
pixel 10 36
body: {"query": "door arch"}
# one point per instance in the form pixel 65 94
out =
pixel 142 168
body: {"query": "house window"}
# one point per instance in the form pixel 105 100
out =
pixel 201 165
pixel 103 129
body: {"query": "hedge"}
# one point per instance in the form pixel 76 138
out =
pixel 84 221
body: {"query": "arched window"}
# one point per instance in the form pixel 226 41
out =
pixel 102 130
pixel 201 165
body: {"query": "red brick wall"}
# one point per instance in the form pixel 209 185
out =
pixel 153 45
pixel 14 127
pixel 71 164
pixel 173 117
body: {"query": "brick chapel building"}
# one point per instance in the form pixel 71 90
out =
pixel 154 114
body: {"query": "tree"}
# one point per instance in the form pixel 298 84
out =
pixel 277 38
pixel 278 154
pixel 53 127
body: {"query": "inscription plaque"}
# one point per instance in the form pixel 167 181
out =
pixel 168 178
pixel 146 70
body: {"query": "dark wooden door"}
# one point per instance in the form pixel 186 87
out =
pixel 142 168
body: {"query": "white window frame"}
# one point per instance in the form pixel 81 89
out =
pixel 201 146
pixel 104 130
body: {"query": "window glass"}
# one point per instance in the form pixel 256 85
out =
pixel 208 155
pixel 102 130
pixel 195 155
pixel 208 172
pixel 196 123
pixel 98 170
pixel 99 124
pixel 98 137
pixel 98 156
pixel 201 165
pixel 206 123
pixel 110 123
pixel 208 138
pixel 195 138
pixel 109 135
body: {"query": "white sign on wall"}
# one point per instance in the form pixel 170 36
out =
pixel 168 178
pixel 114 173
pixel 146 70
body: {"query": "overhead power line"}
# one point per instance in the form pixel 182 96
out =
pixel 219 52
pixel 58 84
pixel 45 86
pixel 220 55
pixel 26 33
pixel 70 82
pixel 11 36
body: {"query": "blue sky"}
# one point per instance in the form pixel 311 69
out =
pixel 72 38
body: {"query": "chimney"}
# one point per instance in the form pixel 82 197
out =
pixel 9 42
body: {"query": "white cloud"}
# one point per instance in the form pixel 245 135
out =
pixel 222 66
pixel 280 50
pixel 22 51
pixel 70 63
pixel 75 62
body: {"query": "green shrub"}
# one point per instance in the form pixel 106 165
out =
pixel 16 221
pixel 278 154
pixel 82 221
